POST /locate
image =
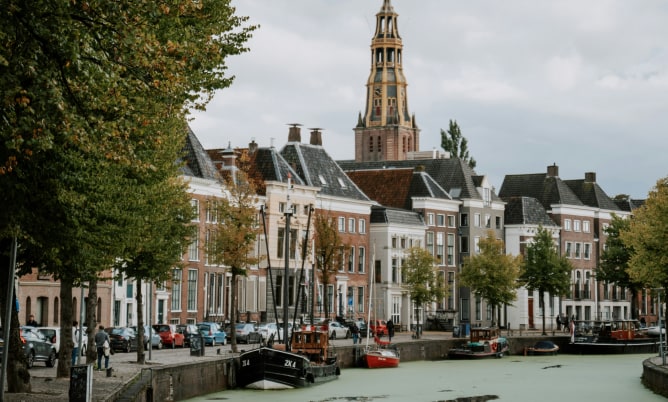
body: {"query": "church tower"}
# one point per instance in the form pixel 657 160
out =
pixel 387 131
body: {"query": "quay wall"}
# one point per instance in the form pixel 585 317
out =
pixel 194 378
pixel 654 376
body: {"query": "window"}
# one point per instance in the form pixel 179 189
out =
pixel 341 182
pixel 476 244
pixel 351 260
pixel 585 226
pixel 498 222
pixel 464 244
pixel 395 269
pixel 476 220
pixel 323 182
pixel 211 211
pixel 487 196
pixel 430 242
pixel 576 225
pixel 280 245
pixel 360 299
pixel 451 249
pixel 464 219
pixel 451 221
pixel 430 219
pixel 394 241
pixel 351 225
pixel 342 258
pixel 578 248
pixel 439 247
pixel 282 207
pixel 403 243
pixel 587 250
pixel 360 259
pixel 567 225
pixel 194 204
pixel 488 221
pixel 569 249
pixel 129 291
pixel 193 248
pixel 478 308
pixel 361 224
pixel 342 224
pixel 192 290
pixel 440 220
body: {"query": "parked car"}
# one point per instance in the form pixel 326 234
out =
pixel 156 341
pixel 212 332
pixel 169 335
pixel 247 333
pixel 337 330
pixel 269 329
pixel 378 327
pixel 188 331
pixel 122 339
pixel 36 347
pixel 53 335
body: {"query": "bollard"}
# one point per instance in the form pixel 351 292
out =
pixel 109 371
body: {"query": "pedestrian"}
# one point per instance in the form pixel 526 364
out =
pixel 390 329
pixel 103 345
pixel 558 323
pixel 31 321
pixel 75 340
pixel 354 329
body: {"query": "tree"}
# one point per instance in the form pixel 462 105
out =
pixel 235 235
pixel 454 142
pixel 328 250
pixel 614 262
pixel 492 274
pixel 544 270
pixel 422 280
pixel 647 236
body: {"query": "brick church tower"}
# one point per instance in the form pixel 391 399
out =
pixel 387 131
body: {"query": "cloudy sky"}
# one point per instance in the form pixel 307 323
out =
pixel 583 84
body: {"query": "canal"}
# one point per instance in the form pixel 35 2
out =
pixel 560 378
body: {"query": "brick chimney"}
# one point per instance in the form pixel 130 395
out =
pixel 295 133
pixel 590 177
pixel 252 147
pixel 316 136
pixel 553 170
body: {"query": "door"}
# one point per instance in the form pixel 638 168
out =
pixel 531 312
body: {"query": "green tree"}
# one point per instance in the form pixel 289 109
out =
pixel 422 280
pixel 235 235
pixel 328 250
pixel 492 274
pixel 454 142
pixel 544 270
pixel 614 262
pixel 647 236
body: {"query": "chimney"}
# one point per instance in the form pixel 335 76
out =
pixel 553 171
pixel 295 134
pixel 590 177
pixel 252 147
pixel 316 136
pixel 228 155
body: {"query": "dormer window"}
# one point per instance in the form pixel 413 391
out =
pixel 322 180
pixel 341 182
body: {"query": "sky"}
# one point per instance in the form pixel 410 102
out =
pixel 531 83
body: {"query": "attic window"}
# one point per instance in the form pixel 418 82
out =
pixel 341 182
pixel 322 180
pixel 455 192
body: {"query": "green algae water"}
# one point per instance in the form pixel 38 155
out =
pixel 559 378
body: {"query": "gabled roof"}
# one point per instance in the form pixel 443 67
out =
pixel 526 211
pixel 628 204
pixel 267 164
pixel 406 184
pixel 591 194
pixel 548 190
pixel 197 161
pixel 316 168
pixel 453 175
pixel 395 216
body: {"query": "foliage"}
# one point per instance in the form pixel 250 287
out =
pixel 544 270
pixel 454 142
pixel 492 274
pixel 421 278
pixel 328 249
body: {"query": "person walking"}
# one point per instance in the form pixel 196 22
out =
pixel 31 322
pixel 75 341
pixel 103 345
pixel 390 329
pixel 354 329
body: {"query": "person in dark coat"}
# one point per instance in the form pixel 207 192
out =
pixel 390 329
pixel 558 323
pixel 31 321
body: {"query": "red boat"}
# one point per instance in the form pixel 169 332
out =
pixel 383 355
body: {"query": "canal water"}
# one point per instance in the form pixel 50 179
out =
pixel 571 378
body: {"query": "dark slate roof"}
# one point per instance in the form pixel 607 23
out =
pixel 525 211
pixel 406 184
pixel 453 175
pixel 312 161
pixel 628 204
pixel 591 194
pixel 197 161
pixel 548 190
pixel 395 216
pixel 267 164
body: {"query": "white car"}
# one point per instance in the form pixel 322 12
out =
pixel 53 335
pixel 338 331
pixel 268 329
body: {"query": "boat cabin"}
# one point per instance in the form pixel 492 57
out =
pixel 484 334
pixel 314 344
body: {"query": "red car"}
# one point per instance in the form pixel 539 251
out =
pixel 378 327
pixel 169 335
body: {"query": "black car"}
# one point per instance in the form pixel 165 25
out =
pixel 188 331
pixel 37 347
pixel 122 339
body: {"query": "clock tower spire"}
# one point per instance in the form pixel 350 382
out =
pixel 387 131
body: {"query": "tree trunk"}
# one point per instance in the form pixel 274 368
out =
pixel 91 322
pixel 141 356
pixel 235 304
pixel 66 314
pixel 541 298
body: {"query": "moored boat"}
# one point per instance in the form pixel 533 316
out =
pixel 541 348
pixel 484 342
pixel 383 355
pixel 612 337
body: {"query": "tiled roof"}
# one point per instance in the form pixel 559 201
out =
pixel 395 216
pixel 591 194
pixel 316 168
pixel 548 190
pixel 453 175
pixel 628 204
pixel 526 211
pixel 197 161
pixel 267 164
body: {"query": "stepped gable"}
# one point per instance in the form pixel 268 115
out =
pixel 453 175
pixel 590 193
pixel 526 211
pixel 267 164
pixel 317 169
pixel 395 216
pixel 548 190
pixel 197 162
